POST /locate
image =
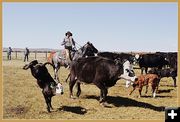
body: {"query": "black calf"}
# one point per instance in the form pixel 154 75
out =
pixel 44 80
pixel 169 72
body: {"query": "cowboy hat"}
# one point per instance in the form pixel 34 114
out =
pixel 68 33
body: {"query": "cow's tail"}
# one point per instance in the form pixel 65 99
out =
pixel 50 57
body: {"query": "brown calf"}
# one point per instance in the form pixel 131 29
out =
pixel 146 80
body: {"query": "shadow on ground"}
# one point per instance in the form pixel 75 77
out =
pixel 73 109
pixel 127 102
pixel 163 85
pixel 165 91
pixel 157 96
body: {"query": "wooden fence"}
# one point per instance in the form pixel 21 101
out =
pixel 36 54
pixel 19 55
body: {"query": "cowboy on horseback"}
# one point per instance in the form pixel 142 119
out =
pixel 68 43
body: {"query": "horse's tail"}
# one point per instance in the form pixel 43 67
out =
pixel 50 56
pixel 67 77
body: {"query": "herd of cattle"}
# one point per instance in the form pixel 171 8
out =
pixel 105 69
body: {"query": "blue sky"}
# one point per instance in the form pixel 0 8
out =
pixel 109 26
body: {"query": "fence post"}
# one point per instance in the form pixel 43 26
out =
pixel 35 54
pixel 16 54
pixel 46 54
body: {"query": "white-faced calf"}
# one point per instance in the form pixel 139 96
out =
pixel 146 80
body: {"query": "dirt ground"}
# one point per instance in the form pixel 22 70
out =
pixel 22 99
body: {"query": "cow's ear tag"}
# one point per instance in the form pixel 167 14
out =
pixel 116 61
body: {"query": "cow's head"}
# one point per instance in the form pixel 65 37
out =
pixel 166 61
pixel 119 63
pixel 136 59
pixel 130 73
pixel 31 64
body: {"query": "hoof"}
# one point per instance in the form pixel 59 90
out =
pixel 72 97
pixel 77 95
pixel 49 111
pixel 104 104
pixel 101 101
pixel 146 94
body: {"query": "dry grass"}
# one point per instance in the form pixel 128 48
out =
pixel 22 99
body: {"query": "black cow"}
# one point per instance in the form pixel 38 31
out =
pixel 100 71
pixel 44 80
pixel 171 57
pixel 119 56
pixel 169 72
pixel 151 60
